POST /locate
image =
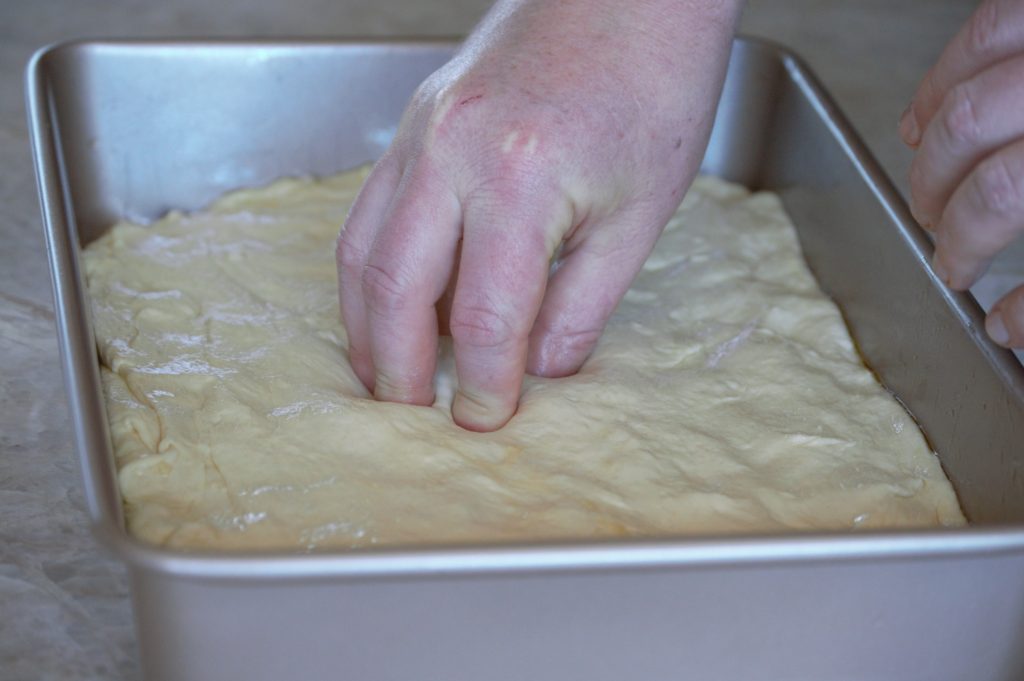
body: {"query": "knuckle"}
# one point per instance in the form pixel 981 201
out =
pixel 425 99
pixel 575 341
pixel 480 327
pixel 523 159
pixel 383 291
pixel 517 181
pixel 983 31
pixel 995 189
pixel 499 185
pixel 562 353
pixel 425 95
pixel 960 119
pixel 452 105
pixel 509 164
pixel 348 254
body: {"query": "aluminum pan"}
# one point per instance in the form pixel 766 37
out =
pixel 942 604
pixel 76 191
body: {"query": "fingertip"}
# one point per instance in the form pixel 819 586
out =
pixel 479 413
pixel 957 264
pixel 957 276
pixel 546 366
pixel 996 329
pixel 1005 322
pixel 939 268
pixel 560 355
pixel 909 128
pixel 362 366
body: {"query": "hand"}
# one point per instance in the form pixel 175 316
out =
pixel 966 122
pixel 560 124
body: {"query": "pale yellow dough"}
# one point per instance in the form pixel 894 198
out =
pixel 725 396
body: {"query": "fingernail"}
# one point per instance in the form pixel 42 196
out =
pixel 940 270
pixel 910 133
pixel 996 328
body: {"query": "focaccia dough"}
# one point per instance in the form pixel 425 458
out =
pixel 725 396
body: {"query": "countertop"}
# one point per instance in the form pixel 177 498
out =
pixel 64 607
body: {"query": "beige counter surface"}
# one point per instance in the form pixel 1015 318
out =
pixel 64 611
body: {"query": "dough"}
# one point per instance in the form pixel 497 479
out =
pixel 725 396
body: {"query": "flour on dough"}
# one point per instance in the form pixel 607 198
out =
pixel 725 396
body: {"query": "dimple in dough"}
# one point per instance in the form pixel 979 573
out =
pixel 724 396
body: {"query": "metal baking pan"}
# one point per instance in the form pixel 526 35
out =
pixel 135 128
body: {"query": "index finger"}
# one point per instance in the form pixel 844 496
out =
pixel 993 33
pixel 353 250
pixel 405 274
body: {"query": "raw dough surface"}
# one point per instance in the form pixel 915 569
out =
pixel 725 396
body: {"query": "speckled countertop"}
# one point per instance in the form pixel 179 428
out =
pixel 64 609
